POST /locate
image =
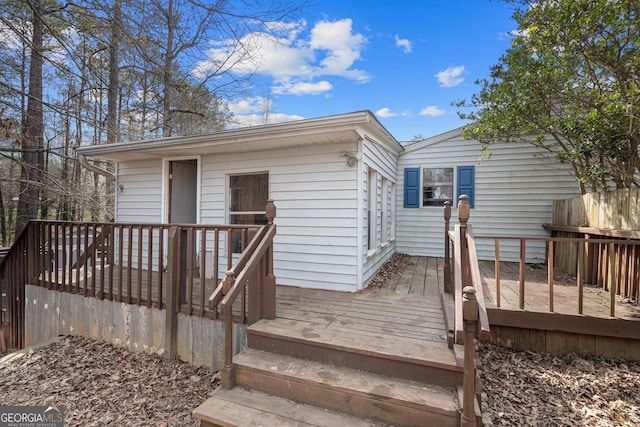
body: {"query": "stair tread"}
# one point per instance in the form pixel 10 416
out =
pixel 242 407
pixel 428 353
pixel 366 384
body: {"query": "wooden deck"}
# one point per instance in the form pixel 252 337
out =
pixel 380 315
pixel 414 289
pixel 424 276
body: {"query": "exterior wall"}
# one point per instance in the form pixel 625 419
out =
pixel 315 193
pixel 49 314
pixel 141 197
pixel 385 165
pixel 514 193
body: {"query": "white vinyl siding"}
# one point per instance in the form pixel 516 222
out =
pixel 141 197
pixel 384 163
pixel 514 192
pixel 315 194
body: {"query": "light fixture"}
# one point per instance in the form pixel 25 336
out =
pixel 120 188
pixel 350 156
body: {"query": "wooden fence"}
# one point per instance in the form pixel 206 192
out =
pixel 613 215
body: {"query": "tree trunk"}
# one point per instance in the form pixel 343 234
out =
pixel 32 130
pixel 3 221
pixel 167 72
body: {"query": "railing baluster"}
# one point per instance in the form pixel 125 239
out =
pixel 550 260
pixel 129 264
pixel 522 271
pixel 86 263
pixel 612 280
pixel 78 255
pixel 140 237
pixel 497 271
pixel 160 265
pixel 110 259
pixel 203 268
pixel 149 265
pixel 120 260
pixel 94 258
pixel 579 279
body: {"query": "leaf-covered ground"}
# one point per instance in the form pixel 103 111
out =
pixel 100 384
pixel 536 389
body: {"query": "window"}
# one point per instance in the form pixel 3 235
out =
pixel 248 195
pixel 372 208
pixel 437 186
pixel 385 210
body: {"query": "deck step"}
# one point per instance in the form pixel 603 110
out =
pixel 357 393
pixel 428 362
pixel 240 407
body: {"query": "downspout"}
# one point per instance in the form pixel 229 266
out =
pixel 93 168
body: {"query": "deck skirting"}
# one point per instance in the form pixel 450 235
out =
pixel 50 313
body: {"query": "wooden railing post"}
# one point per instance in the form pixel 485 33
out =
pixel 448 283
pixel 464 211
pixel 176 266
pixel 269 285
pixel 227 373
pixel 470 316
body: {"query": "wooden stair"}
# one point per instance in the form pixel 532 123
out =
pixel 300 373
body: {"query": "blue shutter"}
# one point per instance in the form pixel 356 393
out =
pixel 412 187
pixel 466 182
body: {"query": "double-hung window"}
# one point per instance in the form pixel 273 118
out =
pixel 437 186
pixel 248 195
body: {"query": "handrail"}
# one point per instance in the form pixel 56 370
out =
pixel 248 269
pixel 476 279
pixel 457 289
pixel 222 288
pixel 256 263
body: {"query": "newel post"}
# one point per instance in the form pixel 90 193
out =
pixel 464 211
pixel 269 289
pixel 176 266
pixel 448 282
pixel 470 316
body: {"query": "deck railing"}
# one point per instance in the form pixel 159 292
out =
pixel 616 275
pixel 142 264
pixel 253 273
pixel 470 313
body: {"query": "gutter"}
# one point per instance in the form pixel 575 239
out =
pixel 93 168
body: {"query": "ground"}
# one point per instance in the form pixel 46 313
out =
pixel 101 384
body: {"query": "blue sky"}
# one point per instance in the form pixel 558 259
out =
pixel 406 61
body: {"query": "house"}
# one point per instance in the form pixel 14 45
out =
pixel 348 195
pixel 333 180
pixel 510 189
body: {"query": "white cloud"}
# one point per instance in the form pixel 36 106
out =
pixel 405 44
pixel 386 113
pixel 257 111
pixel 294 57
pixel 451 77
pixel 432 111
pixel 303 88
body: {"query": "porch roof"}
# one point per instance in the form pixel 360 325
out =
pixel 335 129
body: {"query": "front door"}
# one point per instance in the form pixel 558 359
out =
pixel 183 186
